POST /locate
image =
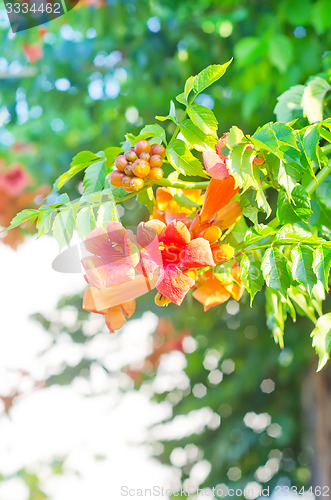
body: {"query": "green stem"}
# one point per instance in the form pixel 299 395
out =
pixel 182 184
pixel 326 148
pixel 322 174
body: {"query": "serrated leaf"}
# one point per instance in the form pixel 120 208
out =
pixel 322 264
pixel 295 234
pixel 248 205
pixel 195 137
pixel 312 99
pixel 247 175
pixel 234 137
pixel 63 227
pixel 23 216
pixel 275 270
pixel 302 267
pixel 182 159
pixel 258 233
pixel 321 336
pixel 251 274
pixel 44 222
pixel 265 139
pixel 107 213
pixel 203 118
pixel 284 134
pixel 294 209
pixel 154 130
pixel 208 76
pixel 81 161
pixel 85 222
pixel 288 106
pixel 94 178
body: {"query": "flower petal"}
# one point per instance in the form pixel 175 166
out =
pixel 197 254
pixel 129 308
pixel 228 215
pixel 101 275
pixel 148 231
pixel 218 194
pixel 177 233
pixel 211 294
pixel 215 165
pixel 174 284
pixel 97 241
pixel 115 318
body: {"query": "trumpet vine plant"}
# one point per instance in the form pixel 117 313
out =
pixel 229 211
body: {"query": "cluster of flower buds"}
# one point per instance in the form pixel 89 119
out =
pixel 136 164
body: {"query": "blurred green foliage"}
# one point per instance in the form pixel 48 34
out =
pixel 108 71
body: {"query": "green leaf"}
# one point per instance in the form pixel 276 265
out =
pixel 195 137
pixel 63 227
pixel 181 99
pixel 275 270
pixel 248 205
pixel 302 267
pixel 312 99
pixel 147 198
pixel 265 138
pixel 280 51
pixel 302 302
pixel 295 234
pixel 321 336
pixel 208 76
pixel 276 316
pixel 171 116
pixel 234 137
pixel 23 216
pixel 110 154
pixel 258 233
pixel 294 209
pixel 223 272
pixel 288 106
pixel 247 50
pixel 322 264
pixel 44 222
pixel 188 86
pixel 81 161
pixel 251 274
pixel 153 131
pixel 310 142
pixel 182 159
pixel 203 118
pixel 85 222
pixel 284 134
pixel 183 200
pixel 95 177
pixel 288 176
pixel 106 213
pixel 248 175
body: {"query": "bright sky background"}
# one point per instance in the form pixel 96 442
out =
pixel 57 421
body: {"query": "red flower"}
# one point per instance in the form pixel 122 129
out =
pixel 115 256
pixel 179 253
